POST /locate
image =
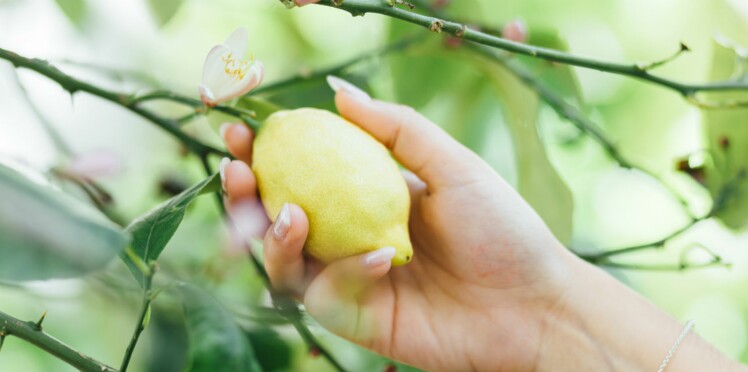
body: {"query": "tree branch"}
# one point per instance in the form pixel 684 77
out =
pixel 637 71
pixel 73 85
pixel 32 332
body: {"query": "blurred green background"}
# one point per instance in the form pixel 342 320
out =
pixel 590 202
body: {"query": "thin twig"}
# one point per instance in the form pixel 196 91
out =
pixel 459 30
pixel 602 257
pixel 664 267
pixel 337 69
pixel 143 318
pixel 32 333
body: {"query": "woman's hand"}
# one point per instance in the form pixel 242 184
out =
pixel 485 268
pixel 489 287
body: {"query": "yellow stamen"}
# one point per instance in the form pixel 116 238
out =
pixel 234 68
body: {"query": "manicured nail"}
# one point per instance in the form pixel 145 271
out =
pixel 379 257
pixel 337 84
pixel 222 130
pixel 283 223
pixel 222 170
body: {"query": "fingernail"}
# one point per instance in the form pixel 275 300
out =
pixel 222 130
pixel 222 170
pixel 379 257
pixel 337 84
pixel 282 224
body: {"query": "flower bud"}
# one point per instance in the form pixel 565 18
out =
pixel 515 30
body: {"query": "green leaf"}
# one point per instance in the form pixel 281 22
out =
pixel 726 132
pixel 217 343
pixel 273 353
pixel 75 10
pixel 538 181
pixel 164 10
pixel 152 231
pixel 45 233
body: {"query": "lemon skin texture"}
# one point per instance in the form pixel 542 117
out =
pixel 347 183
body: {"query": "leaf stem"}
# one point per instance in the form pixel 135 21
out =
pixel 30 332
pixel 143 318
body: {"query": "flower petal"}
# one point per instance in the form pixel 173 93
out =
pixel 207 96
pixel 251 80
pixel 213 61
pixel 238 42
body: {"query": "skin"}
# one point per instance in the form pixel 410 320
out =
pixel 489 287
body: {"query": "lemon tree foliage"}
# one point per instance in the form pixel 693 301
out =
pixel 75 10
pixel 151 232
pixel 727 140
pixel 538 182
pixel 216 342
pixel 45 233
pixel 164 10
pixel 442 67
pixel 272 352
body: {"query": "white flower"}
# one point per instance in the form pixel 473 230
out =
pixel 226 73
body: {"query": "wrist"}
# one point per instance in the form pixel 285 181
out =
pixel 573 337
pixel 600 324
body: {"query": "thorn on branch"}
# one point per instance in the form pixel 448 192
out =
pixel 38 324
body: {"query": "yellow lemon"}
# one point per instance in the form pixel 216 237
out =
pixel 346 182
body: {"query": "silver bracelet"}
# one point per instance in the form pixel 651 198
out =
pixel 672 350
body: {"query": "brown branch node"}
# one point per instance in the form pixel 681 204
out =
pixel 436 26
pixel 461 32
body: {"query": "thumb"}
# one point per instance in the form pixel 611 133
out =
pixel 416 142
pixel 334 296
